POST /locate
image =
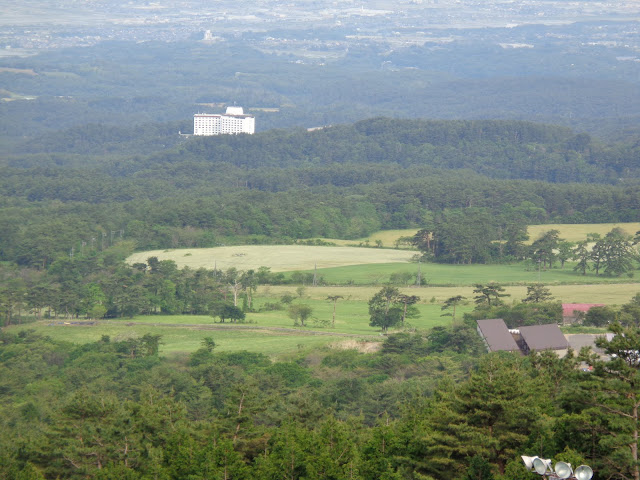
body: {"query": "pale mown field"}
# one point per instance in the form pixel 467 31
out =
pixel 285 258
pixel 387 237
pixel 571 232
pixel 280 258
pixel 578 232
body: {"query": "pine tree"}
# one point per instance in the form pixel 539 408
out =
pixel 611 395
pixel 479 469
pixel 491 415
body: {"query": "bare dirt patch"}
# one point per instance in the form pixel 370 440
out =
pixel 361 346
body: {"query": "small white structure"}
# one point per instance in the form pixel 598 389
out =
pixel 232 122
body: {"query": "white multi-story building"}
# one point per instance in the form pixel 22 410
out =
pixel 232 122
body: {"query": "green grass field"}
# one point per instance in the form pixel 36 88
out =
pixel 181 340
pixel 354 273
pixel 272 333
pixel 435 274
pixel 611 294
pixel 370 261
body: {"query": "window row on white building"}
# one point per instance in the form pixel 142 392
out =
pixel 234 121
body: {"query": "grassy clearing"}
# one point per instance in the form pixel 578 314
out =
pixel 352 314
pixel 611 294
pixel 280 258
pixel 435 274
pixel 284 258
pixel 273 334
pixel 387 237
pixel 354 273
pixel 578 232
pixel 178 340
pixel 570 232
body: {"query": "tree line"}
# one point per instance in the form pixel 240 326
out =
pixel 102 285
pixel 476 236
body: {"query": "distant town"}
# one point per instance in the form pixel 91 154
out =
pixel 313 30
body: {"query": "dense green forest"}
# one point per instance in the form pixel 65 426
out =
pixel 427 406
pixel 68 218
pixel 284 185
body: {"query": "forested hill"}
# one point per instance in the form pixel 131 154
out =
pixel 497 149
pixel 344 181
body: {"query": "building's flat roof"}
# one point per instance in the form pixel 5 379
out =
pixel 496 334
pixel 222 115
pixel 544 337
pixel 579 340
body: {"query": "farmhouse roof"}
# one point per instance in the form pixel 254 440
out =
pixel 544 337
pixel 569 308
pixel 496 334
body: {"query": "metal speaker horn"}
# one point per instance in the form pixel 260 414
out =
pixel 563 469
pixel 583 472
pixel 528 461
pixel 541 465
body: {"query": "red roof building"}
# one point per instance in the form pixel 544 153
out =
pixel 572 312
